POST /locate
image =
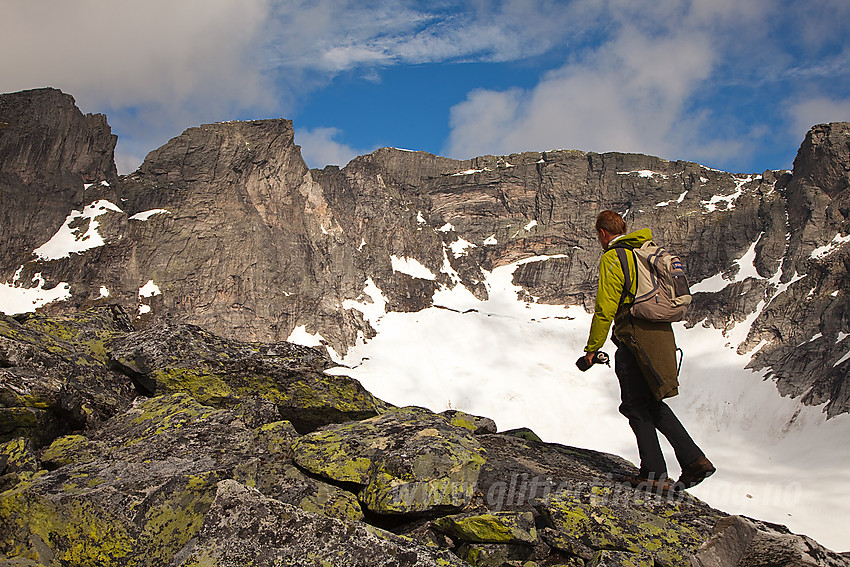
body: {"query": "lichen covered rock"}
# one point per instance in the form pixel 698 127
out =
pixel 53 377
pixel 275 439
pixel 607 517
pixel 138 490
pixel 17 456
pixel 495 527
pixel 607 558
pixel 493 555
pixel 225 373
pixel 245 528
pixel 408 460
pixel 475 423
pixel 69 449
pixel 283 481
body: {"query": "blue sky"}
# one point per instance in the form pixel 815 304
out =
pixel 730 84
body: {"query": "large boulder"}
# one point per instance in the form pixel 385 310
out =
pixel 140 488
pixel 596 518
pixel 221 372
pixel 54 376
pixel 242 527
pixel 494 527
pixel 407 460
pixel 738 541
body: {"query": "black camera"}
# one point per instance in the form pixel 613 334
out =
pixel 598 358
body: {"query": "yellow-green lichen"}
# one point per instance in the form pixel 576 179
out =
pixel 69 449
pixel 74 530
pixel 176 517
pixel 171 411
pixel 328 454
pixel 387 494
pixel 333 502
pixel 631 529
pixel 463 421
pixel 205 387
pixel 18 455
pixel 495 527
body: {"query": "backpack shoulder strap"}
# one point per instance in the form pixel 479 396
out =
pixel 627 276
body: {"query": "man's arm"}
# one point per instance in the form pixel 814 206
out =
pixel 608 294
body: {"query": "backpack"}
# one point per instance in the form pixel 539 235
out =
pixel 662 293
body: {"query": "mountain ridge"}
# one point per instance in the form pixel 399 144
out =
pixel 249 242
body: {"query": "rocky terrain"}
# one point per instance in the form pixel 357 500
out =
pixel 173 446
pixel 152 412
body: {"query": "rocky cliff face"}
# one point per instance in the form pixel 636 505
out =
pixel 48 151
pixel 173 446
pixel 225 227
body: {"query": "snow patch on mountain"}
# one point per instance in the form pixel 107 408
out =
pixel 412 267
pixel 146 215
pixel 727 202
pixel 827 249
pixel 16 298
pixel 75 235
pixel 746 269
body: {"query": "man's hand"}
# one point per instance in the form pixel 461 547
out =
pixel 585 362
pixel 596 357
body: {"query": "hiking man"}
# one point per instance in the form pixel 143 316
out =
pixel 643 347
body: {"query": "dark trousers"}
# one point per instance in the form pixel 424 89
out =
pixel 647 415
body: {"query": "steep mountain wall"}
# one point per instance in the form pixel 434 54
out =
pixel 48 151
pixel 236 234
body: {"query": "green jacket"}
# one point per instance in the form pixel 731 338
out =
pixel 611 281
pixel 653 344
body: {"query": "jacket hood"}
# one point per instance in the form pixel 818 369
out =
pixel 634 239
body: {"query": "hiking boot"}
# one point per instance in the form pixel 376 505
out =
pixel 662 486
pixel 696 472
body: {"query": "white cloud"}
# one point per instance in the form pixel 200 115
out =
pixel 158 67
pixel 154 67
pixel 633 67
pixel 675 78
pixel 121 54
pixel 806 113
pixel 318 148
pixel 334 36
pixel 629 95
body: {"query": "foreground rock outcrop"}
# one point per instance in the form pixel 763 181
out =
pixel 225 227
pixel 185 453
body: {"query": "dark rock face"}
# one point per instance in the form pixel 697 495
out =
pixel 236 235
pixel 807 326
pixel 48 151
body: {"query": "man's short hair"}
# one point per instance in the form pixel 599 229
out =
pixel 610 222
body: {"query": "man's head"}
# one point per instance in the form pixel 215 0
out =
pixel 609 225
